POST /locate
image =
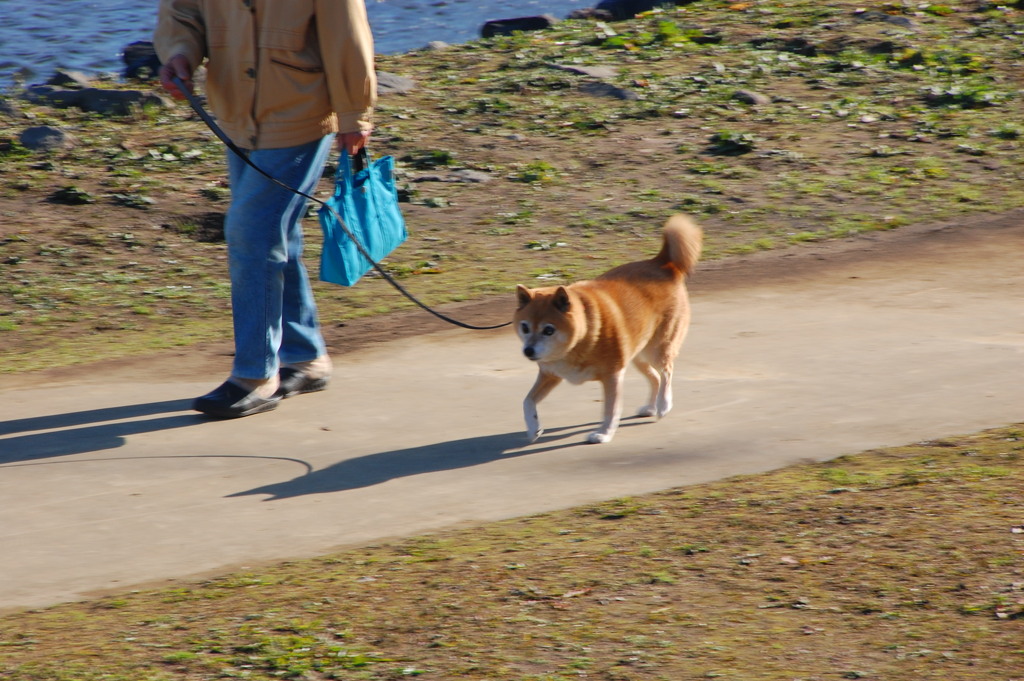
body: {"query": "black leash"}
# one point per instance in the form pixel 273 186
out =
pixel 201 112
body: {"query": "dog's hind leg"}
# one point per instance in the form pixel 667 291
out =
pixel 664 401
pixel 661 360
pixel 654 379
pixel 612 408
pixel 544 384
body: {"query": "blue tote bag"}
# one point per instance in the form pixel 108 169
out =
pixel 366 199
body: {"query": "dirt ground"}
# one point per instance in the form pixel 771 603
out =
pixel 909 245
pixel 110 247
pixel 897 563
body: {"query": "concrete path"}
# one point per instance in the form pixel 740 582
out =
pixel 112 484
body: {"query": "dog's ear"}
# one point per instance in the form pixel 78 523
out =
pixel 562 302
pixel 523 296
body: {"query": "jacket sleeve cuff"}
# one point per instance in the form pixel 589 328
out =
pixel 359 120
pixel 187 50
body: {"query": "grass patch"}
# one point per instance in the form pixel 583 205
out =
pixel 858 113
pixel 903 564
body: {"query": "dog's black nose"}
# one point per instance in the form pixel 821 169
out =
pixel 528 351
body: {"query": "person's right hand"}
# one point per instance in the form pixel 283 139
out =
pixel 176 66
pixel 352 142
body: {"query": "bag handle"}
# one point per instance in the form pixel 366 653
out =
pixel 361 159
pixel 349 166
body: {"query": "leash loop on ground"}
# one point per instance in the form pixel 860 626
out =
pixel 222 136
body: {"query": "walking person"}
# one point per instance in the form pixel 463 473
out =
pixel 285 78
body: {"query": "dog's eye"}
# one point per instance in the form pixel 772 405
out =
pixel 548 330
pixel 525 327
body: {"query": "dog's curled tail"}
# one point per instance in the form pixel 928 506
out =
pixel 682 243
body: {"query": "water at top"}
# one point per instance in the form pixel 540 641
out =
pixel 39 36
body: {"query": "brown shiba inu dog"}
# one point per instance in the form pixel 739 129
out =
pixel 591 330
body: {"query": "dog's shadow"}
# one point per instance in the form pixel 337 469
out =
pixel 375 469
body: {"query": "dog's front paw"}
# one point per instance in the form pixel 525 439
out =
pixel 599 437
pixel 532 435
pixel 646 410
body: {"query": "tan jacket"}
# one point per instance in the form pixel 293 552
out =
pixel 280 72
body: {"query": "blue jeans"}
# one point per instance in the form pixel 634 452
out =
pixel 272 306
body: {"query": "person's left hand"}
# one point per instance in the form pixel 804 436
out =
pixel 352 142
pixel 177 66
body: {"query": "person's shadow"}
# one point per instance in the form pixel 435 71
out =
pixel 374 469
pixel 92 430
pixel 97 430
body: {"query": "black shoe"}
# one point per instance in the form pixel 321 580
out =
pixel 231 401
pixel 297 382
